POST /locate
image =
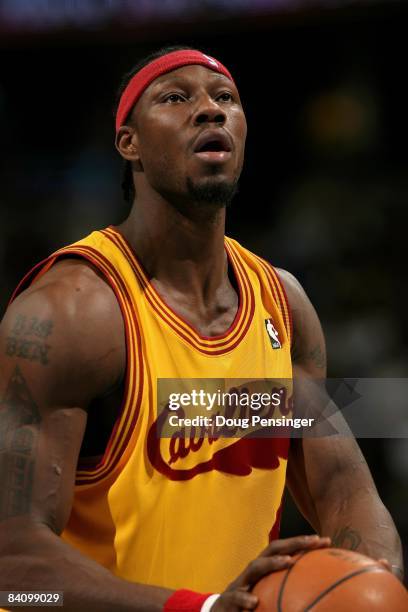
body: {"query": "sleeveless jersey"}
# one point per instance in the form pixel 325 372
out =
pixel 172 511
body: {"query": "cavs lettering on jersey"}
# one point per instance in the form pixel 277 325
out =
pixel 194 518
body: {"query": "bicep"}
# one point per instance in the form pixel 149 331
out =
pixel 49 371
pixel 39 447
pixel 324 469
pixel 327 474
pixel 40 437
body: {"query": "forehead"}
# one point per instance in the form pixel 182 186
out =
pixel 194 75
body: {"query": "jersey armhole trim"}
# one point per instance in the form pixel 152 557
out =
pixel 280 294
pixel 117 448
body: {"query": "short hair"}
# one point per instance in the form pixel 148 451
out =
pixel 127 184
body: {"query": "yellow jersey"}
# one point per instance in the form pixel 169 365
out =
pixel 173 511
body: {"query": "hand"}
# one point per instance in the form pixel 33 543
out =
pixel 277 556
pixel 394 569
pixel 385 563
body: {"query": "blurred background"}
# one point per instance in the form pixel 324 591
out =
pixel 325 185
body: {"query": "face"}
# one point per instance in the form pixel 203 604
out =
pixel 189 135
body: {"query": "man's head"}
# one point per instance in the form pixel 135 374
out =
pixel 181 126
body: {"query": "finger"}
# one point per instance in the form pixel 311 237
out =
pixel 295 544
pixel 386 564
pixel 278 553
pixel 289 546
pixel 262 566
pixel 239 599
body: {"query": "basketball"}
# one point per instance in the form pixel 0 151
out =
pixel 331 580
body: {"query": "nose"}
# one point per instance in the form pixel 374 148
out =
pixel 208 111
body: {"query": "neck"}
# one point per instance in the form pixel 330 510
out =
pixel 181 248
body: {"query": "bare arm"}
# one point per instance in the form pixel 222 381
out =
pixel 328 477
pixel 61 344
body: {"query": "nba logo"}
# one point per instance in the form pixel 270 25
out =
pixel 273 334
pixel 211 60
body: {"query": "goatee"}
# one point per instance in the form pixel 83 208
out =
pixel 216 194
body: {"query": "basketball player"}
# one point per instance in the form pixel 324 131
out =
pixel 148 522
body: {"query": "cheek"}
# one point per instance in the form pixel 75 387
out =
pixel 159 142
pixel 242 129
pixel 238 127
pixel 161 153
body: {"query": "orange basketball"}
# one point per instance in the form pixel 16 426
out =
pixel 331 580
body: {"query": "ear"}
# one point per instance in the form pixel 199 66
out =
pixel 127 143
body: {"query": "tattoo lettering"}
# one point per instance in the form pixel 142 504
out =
pixel 347 538
pixel 27 349
pixel 28 339
pixel 31 326
pixel 316 355
pixel 19 429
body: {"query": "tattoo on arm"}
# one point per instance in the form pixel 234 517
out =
pixel 28 339
pixel 346 538
pixel 316 355
pixel 19 430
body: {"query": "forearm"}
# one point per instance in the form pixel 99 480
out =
pixel 41 561
pixel 361 522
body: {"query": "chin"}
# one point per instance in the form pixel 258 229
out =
pixel 214 191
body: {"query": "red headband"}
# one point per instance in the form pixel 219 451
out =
pixel 162 65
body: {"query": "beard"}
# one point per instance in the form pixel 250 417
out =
pixel 212 193
pixel 200 199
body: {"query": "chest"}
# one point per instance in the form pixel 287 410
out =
pixel 212 319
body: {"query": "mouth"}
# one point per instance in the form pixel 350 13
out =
pixel 213 146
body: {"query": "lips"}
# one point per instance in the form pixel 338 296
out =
pixel 213 141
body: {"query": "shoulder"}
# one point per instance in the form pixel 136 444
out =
pixel 299 302
pixel 296 295
pixel 70 274
pixel 308 347
pixel 78 298
pixel 69 319
pixel 76 288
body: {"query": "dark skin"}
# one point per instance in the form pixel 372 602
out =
pixel 62 348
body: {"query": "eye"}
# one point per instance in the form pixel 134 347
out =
pixel 174 98
pixel 226 96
